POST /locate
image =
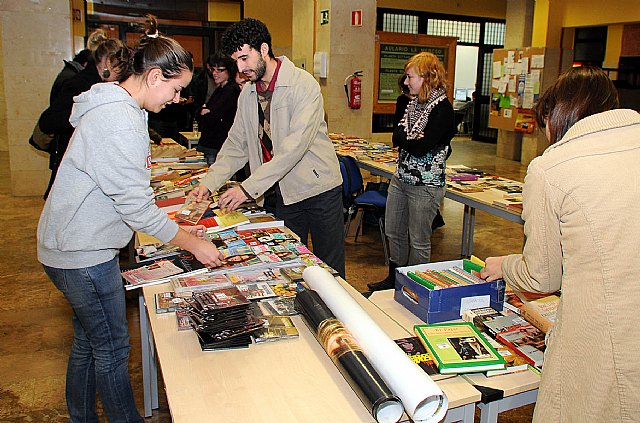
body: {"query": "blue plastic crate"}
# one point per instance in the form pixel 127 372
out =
pixel 440 305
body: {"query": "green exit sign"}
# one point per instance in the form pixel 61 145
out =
pixel 324 17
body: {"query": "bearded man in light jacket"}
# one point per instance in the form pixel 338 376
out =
pixel 280 130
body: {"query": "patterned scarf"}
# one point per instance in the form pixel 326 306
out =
pixel 417 114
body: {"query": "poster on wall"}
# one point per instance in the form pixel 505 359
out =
pixel 392 60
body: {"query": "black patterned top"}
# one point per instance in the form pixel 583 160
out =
pixel 424 140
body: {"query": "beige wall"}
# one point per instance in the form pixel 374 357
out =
pixel 222 11
pixel 350 48
pixel 303 29
pixel 486 8
pixel 597 12
pixel 4 140
pixel 551 16
pixel 277 15
pixel 35 38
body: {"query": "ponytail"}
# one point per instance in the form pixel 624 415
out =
pixel 155 51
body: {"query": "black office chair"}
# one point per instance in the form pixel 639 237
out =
pixel 355 197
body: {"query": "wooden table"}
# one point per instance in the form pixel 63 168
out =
pixel 191 138
pixel 471 201
pixel 280 382
pixel 519 388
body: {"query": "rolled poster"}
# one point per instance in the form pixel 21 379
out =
pixel 346 354
pixel 422 399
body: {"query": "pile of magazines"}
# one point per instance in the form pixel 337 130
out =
pixel 222 319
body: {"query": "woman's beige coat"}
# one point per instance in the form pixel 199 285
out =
pixel 582 225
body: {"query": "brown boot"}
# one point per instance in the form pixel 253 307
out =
pixel 387 283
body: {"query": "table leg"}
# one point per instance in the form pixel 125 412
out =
pixel 463 414
pixel 465 225
pixel 471 225
pixel 149 363
pixel 489 412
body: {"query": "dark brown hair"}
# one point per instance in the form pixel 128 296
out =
pixel 576 94
pixel 155 51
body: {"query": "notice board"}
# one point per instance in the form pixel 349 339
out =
pixel 519 76
pixel 392 52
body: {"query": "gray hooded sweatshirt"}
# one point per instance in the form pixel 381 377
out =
pixel 101 193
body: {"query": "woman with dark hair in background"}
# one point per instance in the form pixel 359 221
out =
pixel 100 197
pixel 423 138
pixel 581 206
pixel 55 120
pixel 216 116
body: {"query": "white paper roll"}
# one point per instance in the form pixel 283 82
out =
pixel 422 399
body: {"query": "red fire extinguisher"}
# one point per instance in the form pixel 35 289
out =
pixel 353 88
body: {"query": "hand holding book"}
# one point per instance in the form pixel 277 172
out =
pixel 493 269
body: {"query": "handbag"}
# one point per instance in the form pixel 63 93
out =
pixel 39 140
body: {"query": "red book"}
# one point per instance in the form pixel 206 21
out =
pixel 171 201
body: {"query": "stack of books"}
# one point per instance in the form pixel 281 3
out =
pixel 512 331
pixel 459 348
pixel 223 319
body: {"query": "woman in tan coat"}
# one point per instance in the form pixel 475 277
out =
pixel 582 225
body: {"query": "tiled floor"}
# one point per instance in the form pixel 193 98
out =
pixel 35 319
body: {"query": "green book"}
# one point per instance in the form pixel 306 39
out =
pixel 459 348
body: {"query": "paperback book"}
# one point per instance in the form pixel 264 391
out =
pixel 503 323
pixel 514 362
pixel 526 341
pixel 539 310
pixel 413 348
pixel 260 275
pixel 151 272
pixel 187 285
pixel 182 319
pixel 285 289
pixel 459 348
pixel 283 306
pixel 276 328
pixel 168 301
pixel 478 316
pixel 256 290
pixel 156 271
pixel 192 211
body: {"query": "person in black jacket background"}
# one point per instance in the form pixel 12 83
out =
pixel 55 120
pixel 216 116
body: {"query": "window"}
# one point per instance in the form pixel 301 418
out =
pixel 393 22
pixel 494 33
pixel 466 32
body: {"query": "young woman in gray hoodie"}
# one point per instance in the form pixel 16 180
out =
pixel 101 195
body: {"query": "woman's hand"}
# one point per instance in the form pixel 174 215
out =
pixel 492 269
pixel 197 230
pixel 206 253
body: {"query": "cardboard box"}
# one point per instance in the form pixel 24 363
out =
pixel 439 305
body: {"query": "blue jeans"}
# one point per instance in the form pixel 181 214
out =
pixel 100 352
pixel 322 216
pixel 408 216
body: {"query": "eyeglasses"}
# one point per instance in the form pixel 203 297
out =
pixel 218 69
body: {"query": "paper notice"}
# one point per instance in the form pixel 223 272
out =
pixel 537 61
pixel 497 69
